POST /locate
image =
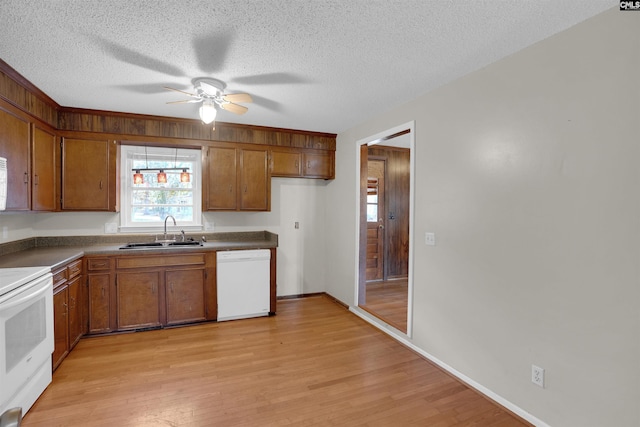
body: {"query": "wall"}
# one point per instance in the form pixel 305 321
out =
pixel 527 171
pixel 300 267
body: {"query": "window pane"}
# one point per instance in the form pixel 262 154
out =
pixel 159 213
pixel 372 213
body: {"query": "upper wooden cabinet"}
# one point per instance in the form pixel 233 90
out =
pixel 237 179
pixel 14 146
pixel 45 163
pixel 31 151
pixel 290 162
pixel 254 180
pixel 89 175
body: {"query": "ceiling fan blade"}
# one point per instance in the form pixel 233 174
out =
pixel 185 101
pixel 178 90
pixel 234 108
pixel 238 97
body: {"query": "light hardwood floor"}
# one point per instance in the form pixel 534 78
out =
pixel 388 300
pixel 314 363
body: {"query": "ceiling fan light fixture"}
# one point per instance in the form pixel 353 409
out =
pixel 208 111
pixel 184 176
pixel 162 177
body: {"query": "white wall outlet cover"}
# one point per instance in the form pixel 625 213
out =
pixel 430 239
pixel 537 375
pixel 111 227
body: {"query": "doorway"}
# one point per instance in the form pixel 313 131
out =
pixel 385 221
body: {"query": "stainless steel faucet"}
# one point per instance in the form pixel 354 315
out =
pixel 165 224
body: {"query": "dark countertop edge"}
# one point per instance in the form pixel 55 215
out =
pixel 37 254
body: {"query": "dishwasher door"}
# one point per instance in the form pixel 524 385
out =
pixel 243 283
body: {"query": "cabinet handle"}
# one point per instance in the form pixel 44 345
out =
pixel 101 184
pixel 36 180
pixel 102 292
pixel 245 188
pixel 296 163
pixel 308 164
pixel 230 188
pixel 171 287
pixel 26 178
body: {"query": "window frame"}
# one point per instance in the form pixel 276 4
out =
pixel 155 153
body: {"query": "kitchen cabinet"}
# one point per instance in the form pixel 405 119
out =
pixel 221 171
pixel 290 162
pixel 89 178
pixel 99 284
pixel 237 178
pixel 60 326
pixel 68 310
pixel 14 146
pixel 133 292
pixel 186 295
pixel 138 299
pixel 255 180
pixel 44 168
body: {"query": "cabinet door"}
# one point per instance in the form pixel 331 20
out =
pixel 60 325
pixel 318 165
pixel 14 146
pixel 138 299
pixel 284 163
pixel 255 180
pixel 43 168
pixel 76 324
pixel 222 179
pixel 99 302
pixel 89 175
pixel 185 290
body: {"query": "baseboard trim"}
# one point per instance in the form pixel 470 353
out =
pixel 471 383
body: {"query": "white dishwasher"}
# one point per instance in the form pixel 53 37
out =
pixel 243 282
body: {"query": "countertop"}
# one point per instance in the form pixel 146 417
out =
pixel 57 251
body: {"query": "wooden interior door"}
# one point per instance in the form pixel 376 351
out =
pixel 375 219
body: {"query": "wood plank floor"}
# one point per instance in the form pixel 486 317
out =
pixel 388 300
pixel 314 363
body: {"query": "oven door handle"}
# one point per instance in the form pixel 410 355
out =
pixel 12 303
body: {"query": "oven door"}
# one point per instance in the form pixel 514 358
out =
pixel 26 334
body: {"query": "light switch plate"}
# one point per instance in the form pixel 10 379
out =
pixel 430 239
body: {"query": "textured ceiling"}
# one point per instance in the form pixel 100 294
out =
pixel 321 65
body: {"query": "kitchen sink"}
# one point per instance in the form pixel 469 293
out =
pixel 165 244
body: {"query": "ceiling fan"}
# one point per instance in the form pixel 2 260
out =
pixel 210 92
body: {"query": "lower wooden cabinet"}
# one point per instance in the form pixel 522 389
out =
pixel 69 301
pixel 135 292
pixel 99 284
pixel 138 299
pixel 186 295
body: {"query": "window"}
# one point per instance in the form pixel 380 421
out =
pixel 146 205
pixel 372 199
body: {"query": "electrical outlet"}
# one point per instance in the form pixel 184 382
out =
pixel 296 225
pixel 537 375
pixel 430 239
pixel 111 227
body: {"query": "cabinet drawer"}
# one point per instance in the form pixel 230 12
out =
pixel 59 277
pixel 74 269
pixel 160 261
pixel 98 264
